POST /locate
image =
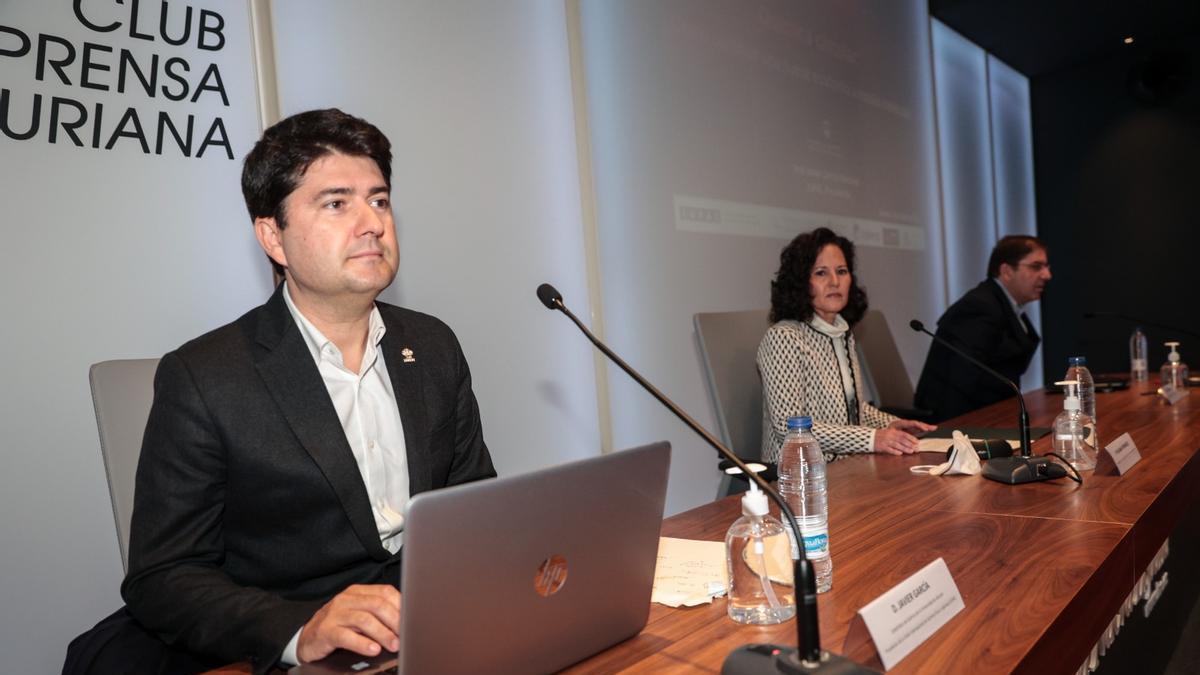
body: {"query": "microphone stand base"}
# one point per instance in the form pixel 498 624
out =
pixel 766 658
pixel 1020 470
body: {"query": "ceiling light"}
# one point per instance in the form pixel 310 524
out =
pixel 1129 40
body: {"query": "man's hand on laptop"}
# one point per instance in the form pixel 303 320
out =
pixel 362 619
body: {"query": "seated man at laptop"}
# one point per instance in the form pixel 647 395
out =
pixel 281 449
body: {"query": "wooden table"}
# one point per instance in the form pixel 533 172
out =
pixel 1042 568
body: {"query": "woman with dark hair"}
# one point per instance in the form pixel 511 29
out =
pixel 807 360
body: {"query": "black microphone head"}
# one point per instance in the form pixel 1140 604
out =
pixel 917 326
pixel 549 296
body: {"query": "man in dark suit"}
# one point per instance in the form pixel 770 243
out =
pixel 281 449
pixel 988 323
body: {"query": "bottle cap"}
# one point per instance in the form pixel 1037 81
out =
pixel 1071 393
pixel 799 422
pixel 1077 361
pixel 1173 357
pixel 754 502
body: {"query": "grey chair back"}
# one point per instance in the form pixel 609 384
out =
pixel 728 345
pixel 121 393
pixel 885 380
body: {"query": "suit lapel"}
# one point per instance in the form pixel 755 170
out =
pixel 405 366
pixel 1033 334
pixel 292 377
pixel 1019 324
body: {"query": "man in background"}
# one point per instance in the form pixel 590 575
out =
pixel 989 323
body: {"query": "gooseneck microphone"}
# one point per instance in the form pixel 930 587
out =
pixel 1023 419
pixel 758 658
pixel 1010 470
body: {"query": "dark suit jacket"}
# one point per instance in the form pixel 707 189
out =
pixel 983 324
pixel 250 512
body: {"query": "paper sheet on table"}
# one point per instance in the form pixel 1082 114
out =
pixel 689 572
pixel 941 445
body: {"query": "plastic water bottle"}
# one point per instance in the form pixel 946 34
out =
pixel 1174 372
pixel 802 484
pixel 1139 367
pixel 1077 370
pixel 1074 433
pixel 757 556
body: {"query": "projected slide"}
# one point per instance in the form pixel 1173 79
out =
pixel 789 115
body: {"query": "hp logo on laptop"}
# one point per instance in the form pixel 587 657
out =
pixel 551 575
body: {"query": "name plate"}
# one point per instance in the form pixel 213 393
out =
pixel 1123 453
pixel 914 609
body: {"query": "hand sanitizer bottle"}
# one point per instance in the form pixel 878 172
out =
pixel 1174 372
pixel 1074 432
pixel 758 558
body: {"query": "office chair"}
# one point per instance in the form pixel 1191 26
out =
pixel 121 393
pixel 885 381
pixel 728 344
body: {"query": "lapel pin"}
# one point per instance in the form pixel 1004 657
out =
pixel 407 354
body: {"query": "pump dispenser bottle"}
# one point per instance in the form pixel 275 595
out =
pixel 1174 372
pixel 1074 431
pixel 758 558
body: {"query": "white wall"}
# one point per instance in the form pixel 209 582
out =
pixel 985 142
pixel 968 199
pixel 476 98
pixel 107 254
pixel 1012 167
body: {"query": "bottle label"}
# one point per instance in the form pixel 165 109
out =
pixel 816 543
pixel 1139 364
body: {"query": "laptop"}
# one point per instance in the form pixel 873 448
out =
pixel 529 573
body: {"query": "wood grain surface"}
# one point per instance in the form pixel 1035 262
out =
pixel 1042 568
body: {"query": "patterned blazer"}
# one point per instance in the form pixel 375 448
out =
pixel 801 376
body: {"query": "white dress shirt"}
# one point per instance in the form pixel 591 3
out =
pixel 366 407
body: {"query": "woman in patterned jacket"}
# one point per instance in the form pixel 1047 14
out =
pixel 807 360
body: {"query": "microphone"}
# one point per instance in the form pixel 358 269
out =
pixel 1009 470
pixel 1136 320
pixel 551 298
pixel 756 658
